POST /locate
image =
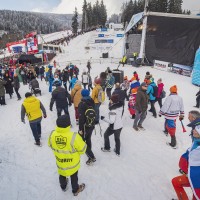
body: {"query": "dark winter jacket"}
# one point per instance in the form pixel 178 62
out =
pixel 198 93
pixel 141 100
pixel 65 76
pixel 34 84
pixel 8 85
pixel 41 70
pixel 61 97
pixel 2 89
pixel 82 107
pixel 16 83
pixel 121 94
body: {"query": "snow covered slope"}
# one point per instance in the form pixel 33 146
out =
pixel 142 172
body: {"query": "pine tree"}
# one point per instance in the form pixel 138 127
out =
pixel 75 22
pixel 90 15
pixel 175 6
pixel 84 15
pixel 103 14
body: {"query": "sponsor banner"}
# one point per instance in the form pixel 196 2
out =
pixel 32 34
pixel 161 65
pixel 104 41
pixel 100 35
pixel 181 69
pixel 104 29
pixel 120 35
pixel 17 47
pixel 32 45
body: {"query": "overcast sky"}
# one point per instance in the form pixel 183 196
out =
pixel 68 6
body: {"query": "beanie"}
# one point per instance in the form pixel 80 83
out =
pixel 143 84
pixel 63 121
pixel 173 89
pixel 115 98
pixel 134 90
pixel 28 94
pixel 97 81
pixel 85 93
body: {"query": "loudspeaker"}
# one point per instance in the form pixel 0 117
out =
pixel 119 75
pixel 105 55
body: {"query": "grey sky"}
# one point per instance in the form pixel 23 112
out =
pixel 68 6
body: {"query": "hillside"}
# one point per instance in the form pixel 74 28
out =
pixel 19 23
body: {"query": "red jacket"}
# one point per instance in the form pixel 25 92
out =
pixel 160 89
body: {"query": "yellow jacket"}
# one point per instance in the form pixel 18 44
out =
pixel 32 108
pixel 95 92
pixel 76 95
pixel 67 147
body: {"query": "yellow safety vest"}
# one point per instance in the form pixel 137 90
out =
pixel 67 147
pixel 32 107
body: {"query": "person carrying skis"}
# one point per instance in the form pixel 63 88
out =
pixel 171 108
pixel 87 122
pixel 67 148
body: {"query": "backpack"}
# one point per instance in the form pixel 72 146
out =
pixel 90 116
pixel 155 91
pixel 101 96
pixel 163 94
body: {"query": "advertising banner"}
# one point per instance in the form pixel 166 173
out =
pixel 196 69
pixel 161 65
pixel 32 45
pixel 17 47
pixel 104 41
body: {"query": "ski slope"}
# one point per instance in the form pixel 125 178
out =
pixel 142 172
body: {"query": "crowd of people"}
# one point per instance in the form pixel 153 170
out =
pixel 68 87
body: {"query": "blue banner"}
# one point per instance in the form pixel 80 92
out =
pixel 196 69
pixel 104 41
pixel 120 35
pixel 100 35
pixel 104 29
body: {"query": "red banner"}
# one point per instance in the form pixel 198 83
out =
pixel 32 34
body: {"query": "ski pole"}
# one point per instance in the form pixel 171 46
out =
pixel 184 130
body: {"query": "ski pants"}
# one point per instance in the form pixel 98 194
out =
pixel 198 101
pixel 171 126
pixel 116 133
pixel 76 113
pixel 153 110
pixel 87 134
pixel 18 95
pixel 139 118
pixel 159 100
pixel 59 110
pixel 108 92
pixel 2 100
pixel 74 182
pixel 36 130
pixel 179 183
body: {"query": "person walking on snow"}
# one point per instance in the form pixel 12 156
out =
pixel 171 108
pixel 87 122
pixel 85 79
pixel 67 148
pixel 115 124
pixel 141 106
pixel 16 86
pixel 110 82
pixel 32 108
pixel 76 98
pixel 190 164
pixel 159 96
pixel 2 91
pixel 125 86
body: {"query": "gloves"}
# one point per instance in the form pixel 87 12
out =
pixel 181 117
pixel 45 116
pixel 23 120
pixel 102 117
pixel 160 115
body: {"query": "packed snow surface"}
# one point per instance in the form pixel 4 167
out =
pixel 142 172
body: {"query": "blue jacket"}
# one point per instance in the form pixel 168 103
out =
pixel 73 82
pixel 150 91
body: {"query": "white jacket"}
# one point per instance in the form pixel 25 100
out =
pixel 85 79
pixel 115 117
pixel 172 106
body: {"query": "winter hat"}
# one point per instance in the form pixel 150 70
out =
pixel 78 82
pixel 173 89
pixel 115 98
pixel 134 72
pixel 151 80
pixel 134 90
pixel 97 81
pixel 85 93
pixel 28 94
pixel 117 85
pixel 63 121
pixel 143 84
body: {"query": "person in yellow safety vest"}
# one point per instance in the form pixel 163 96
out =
pixel 123 61
pixel 67 148
pixel 135 55
pixel 32 108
